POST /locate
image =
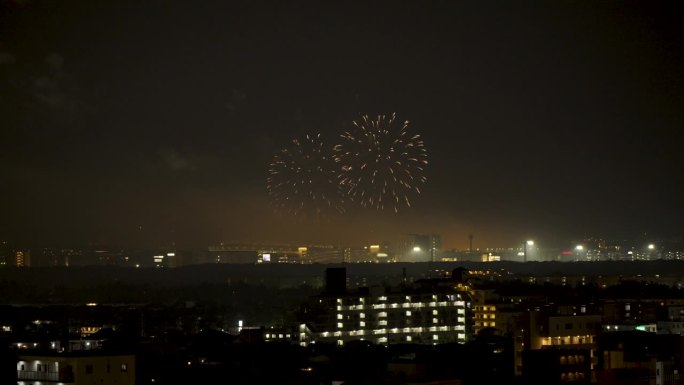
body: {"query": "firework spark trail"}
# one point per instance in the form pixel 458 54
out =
pixel 380 162
pixel 302 179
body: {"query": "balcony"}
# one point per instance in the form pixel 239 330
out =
pixel 31 375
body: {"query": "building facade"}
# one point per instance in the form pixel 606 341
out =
pixel 428 312
pixel 76 369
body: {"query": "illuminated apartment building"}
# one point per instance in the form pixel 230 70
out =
pixel 565 332
pixel 484 309
pixel 484 316
pixel 76 368
pixel 557 366
pixel 431 311
pixel 22 259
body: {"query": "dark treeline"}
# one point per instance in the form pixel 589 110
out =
pixel 258 304
pixel 289 275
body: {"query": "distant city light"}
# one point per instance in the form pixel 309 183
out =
pixel 579 247
pixel 530 243
pixel 416 249
pixel 651 246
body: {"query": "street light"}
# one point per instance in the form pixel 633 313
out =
pixel 650 252
pixel 528 243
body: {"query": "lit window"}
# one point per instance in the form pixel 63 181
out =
pixel 408 313
pixel 435 312
pixel 434 320
pixel 408 338
pixel 382 314
pixel 382 322
pixel 435 337
pixel 339 316
pixel 362 324
pixel 362 315
pixel 124 367
pixel 339 324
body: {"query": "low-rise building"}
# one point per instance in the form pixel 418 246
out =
pixel 635 357
pixel 76 368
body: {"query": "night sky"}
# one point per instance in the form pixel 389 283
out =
pixel 141 123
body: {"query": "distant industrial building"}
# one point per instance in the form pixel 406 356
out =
pixel 422 248
pixel 273 253
pixel 375 253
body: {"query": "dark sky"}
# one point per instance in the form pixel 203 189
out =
pixel 145 122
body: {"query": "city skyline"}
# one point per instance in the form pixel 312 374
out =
pixel 145 124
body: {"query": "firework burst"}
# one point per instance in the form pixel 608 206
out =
pixel 302 179
pixel 381 163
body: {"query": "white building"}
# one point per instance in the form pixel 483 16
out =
pixel 428 312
